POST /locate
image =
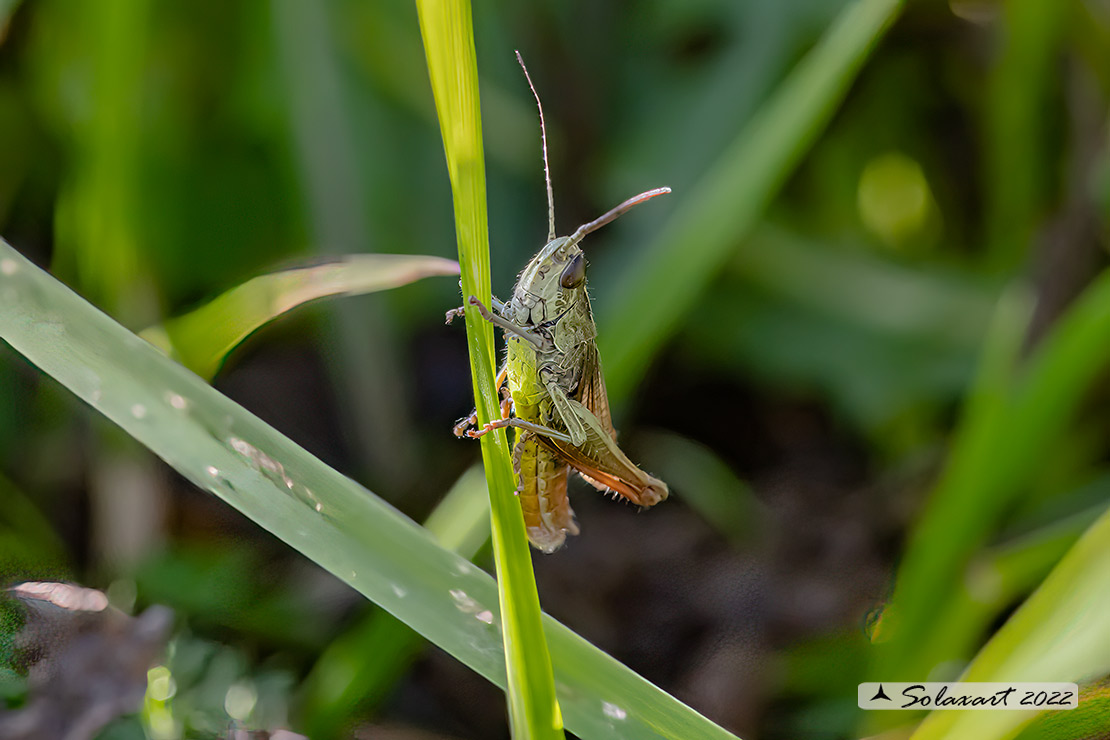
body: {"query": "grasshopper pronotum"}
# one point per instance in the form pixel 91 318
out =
pixel 557 398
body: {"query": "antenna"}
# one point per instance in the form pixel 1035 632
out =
pixel 612 215
pixel 546 168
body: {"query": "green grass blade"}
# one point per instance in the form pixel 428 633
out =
pixel 1009 425
pixel 1014 568
pixel 1022 92
pixel 1088 720
pixel 1061 633
pixel 958 514
pixel 1000 576
pixel 203 338
pixel 325 515
pixel 656 290
pixel 449 44
pixel 98 216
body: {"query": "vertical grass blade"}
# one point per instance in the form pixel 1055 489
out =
pixel 449 44
pixel 656 290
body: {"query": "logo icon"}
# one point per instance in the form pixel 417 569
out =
pixel 880 694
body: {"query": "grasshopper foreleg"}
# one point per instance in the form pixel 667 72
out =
pixel 454 313
pixel 540 342
pixel 464 424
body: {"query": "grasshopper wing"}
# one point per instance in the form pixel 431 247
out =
pixel 591 391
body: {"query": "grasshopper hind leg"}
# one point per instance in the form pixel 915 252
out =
pixel 543 493
pixel 603 464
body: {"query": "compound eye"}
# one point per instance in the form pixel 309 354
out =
pixel 574 273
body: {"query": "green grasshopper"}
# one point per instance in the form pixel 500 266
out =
pixel 557 399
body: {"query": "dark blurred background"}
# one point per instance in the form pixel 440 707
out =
pixel 153 155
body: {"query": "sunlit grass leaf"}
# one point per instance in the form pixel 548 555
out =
pixel 1061 633
pixel 1014 413
pixel 452 67
pixel 325 515
pixel 1088 720
pixel 1000 576
pixel 202 339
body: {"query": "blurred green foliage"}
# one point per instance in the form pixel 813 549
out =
pixel 866 328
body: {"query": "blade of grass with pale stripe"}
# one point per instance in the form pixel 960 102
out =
pixel 322 513
pixel 342 682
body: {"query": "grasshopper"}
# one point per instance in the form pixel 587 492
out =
pixel 556 393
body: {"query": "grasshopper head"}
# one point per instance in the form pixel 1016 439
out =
pixel 559 265
pixel 556 277
pixel 553 281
